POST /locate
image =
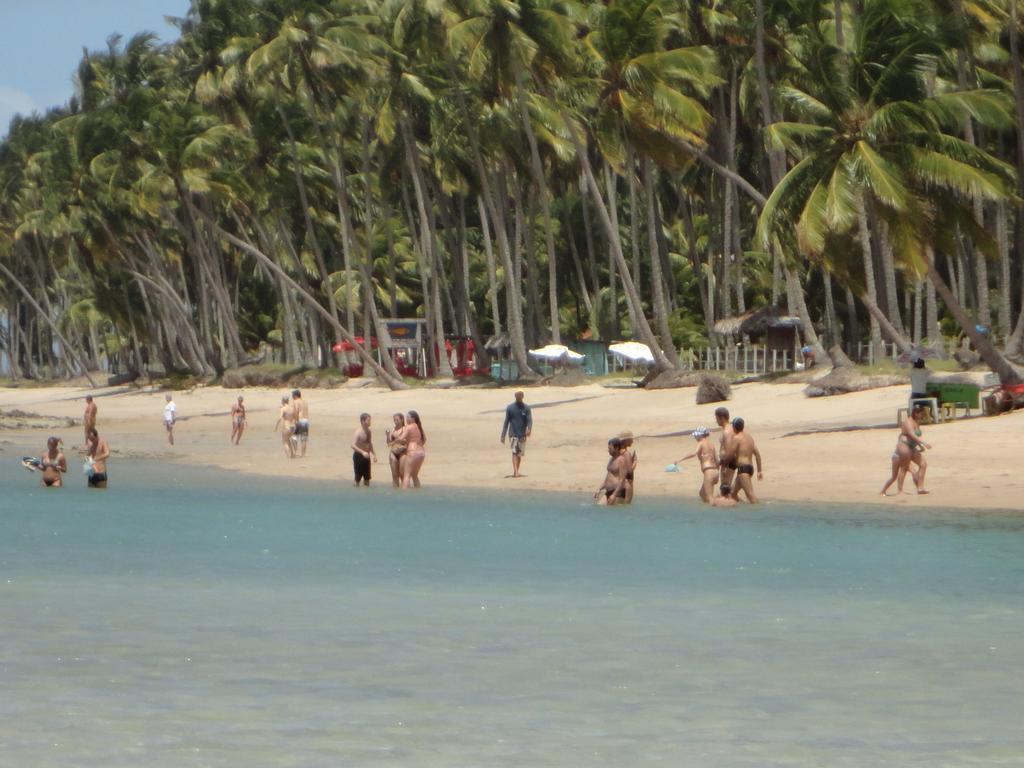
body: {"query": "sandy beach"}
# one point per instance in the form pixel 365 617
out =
pixel 832 449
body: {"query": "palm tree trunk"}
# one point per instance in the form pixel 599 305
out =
pixel 646 333
pixel 71 351
pixel 657 284
pixel 492 272
pixel 1007 372
pixel 392 382
pixel 869 277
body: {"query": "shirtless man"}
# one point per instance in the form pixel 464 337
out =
pixel 53 464
pixel 726 459
pixel 362 451
pixel 237 420
pixel 301 418
pixel 613 489
pixel 746 453
pixel 626 444
pixel 705 454
pixel 89 417
pixel 286 420
pixel 170 416
pixel 98 452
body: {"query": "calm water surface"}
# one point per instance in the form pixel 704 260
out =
pixel 190 618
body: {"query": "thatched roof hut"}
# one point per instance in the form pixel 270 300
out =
pixel 769 324
pixel 756 322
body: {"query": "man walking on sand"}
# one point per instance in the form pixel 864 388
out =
pixel 89 417
pixel 362 451
pixel 170 416
pixel 518 426
pixel 301 408
pixel 746 453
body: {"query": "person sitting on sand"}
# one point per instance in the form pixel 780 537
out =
pixel 98 452
pixel 726 461
pixel 745 453
pixel 396 449
pixel 237 420
pixel 613 489
pixel 286 420
pixel 170 416
pixel 909 450
pixel 89 417
pixel 53 464
pixel 626 444
pixel 362 451
pixel 705 454
pixel 415 451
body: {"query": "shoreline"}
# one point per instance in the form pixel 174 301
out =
pixel 816 450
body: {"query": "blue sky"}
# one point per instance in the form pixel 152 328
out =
pixel 41 44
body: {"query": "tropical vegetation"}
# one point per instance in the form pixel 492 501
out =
pixel 289 173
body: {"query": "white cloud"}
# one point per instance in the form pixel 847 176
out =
pixel 13 102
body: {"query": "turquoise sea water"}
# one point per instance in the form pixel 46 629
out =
pixel 193 618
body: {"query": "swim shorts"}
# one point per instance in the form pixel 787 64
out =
pixel 302 428
pixel 518 445
pixel 361 467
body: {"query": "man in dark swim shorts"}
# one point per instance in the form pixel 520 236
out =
pixel 362 451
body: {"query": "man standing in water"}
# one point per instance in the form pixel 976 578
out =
pixel 726 458
pixel 237 420
pixel 286 420
pixel 362 451
pixel 746 453
pixel 170 416
pixel 301 416
pixel 518 426
pixel 89 417
pixel 98 453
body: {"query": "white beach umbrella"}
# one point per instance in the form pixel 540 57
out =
pixel 555 352
pixel 633 351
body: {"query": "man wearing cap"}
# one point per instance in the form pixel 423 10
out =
pixel 746 453
pixel 518 426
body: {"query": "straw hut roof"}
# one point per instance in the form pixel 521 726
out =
pixel 756 322
pixel 498 343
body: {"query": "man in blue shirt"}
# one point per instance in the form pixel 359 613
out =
pixel 518 426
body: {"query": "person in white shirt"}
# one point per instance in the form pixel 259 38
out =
pixel 170 416
pixel 919 378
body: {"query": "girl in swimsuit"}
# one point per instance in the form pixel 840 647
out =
pixel 909 449
pixel 396 450
pixel 237 420
pixel 415 439
pixel 705 454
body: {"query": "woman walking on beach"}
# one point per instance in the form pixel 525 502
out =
pixel 237 420
pixel 415 439
pixel 396 449
pixel 909 449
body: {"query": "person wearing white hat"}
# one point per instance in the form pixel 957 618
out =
pixel 705 454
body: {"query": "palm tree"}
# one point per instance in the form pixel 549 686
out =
pixel 872 134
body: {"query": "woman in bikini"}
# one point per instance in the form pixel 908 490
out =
pixel 909 449
pixel 705 454
pixel 415 439
pixel 396 449
pixel 53 464
pixel 237 420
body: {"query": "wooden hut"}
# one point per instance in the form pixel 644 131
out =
pixel 767 326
